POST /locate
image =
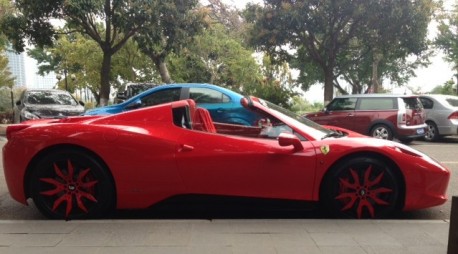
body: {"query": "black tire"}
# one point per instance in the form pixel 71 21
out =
pixel 88 193
pixel 360 188
pixel 432 133
pixel 381 131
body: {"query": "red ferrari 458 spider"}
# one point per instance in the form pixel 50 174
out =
pixel 83 167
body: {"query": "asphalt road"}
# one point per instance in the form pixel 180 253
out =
pixel 445 151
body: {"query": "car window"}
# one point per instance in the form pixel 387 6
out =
pixel 452 101
pixel 206 95
pixel 412 103
pixel 342 104
pixel 427 103
pixel 377 103
pixel 49 98
pixel 162 96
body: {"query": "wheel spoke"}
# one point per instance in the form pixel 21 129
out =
pixel 362 196
pixel 68 190
pixel 364 203
pixel 353 198
pixel 59 172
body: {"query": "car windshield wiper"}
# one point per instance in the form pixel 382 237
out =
pixel 333 134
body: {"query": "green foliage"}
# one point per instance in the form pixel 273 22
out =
pixel 277 84
pixel 447 38
pixel 175 24
pixel 6 78
pixel 448 88
pixel 301 106
pixel 110 23
pixel 83 72
pixel 328 39
pixel 214 57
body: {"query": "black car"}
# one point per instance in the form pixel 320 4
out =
pixel 131 90
pixel 49 103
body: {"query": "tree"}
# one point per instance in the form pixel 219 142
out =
pixel 447 38
pixel 177 23
pixel 395 31
pixel 65 57
pixel 217 58
pixel 276 85
pixel 447 88
pixel 110 23
pixel 6 78
pixel 311 34
pixel 328 39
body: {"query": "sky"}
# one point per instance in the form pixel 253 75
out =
pixel 426 78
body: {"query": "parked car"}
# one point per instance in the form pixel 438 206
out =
pixel 46 103
pixel 223 104
pixel 383 116
pixel 83 167
pixel 131 90
pixel 441 115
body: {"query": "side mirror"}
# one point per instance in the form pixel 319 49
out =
pixel 288 139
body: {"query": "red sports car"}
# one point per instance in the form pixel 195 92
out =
pixel 82 167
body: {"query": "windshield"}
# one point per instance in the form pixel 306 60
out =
pixel 49 98
pixel 313 129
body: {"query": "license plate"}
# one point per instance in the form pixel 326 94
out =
pixel 421 131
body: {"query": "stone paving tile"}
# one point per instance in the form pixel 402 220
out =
pixel 342 250
pixel 333 239
pixel 224 236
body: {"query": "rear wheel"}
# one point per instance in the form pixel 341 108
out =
pixel 360 188
pixel 432 133
pixel 71 184
pixel 381 131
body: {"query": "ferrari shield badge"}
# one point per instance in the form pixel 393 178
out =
pixel 325 149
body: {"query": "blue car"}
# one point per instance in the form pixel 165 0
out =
pixel 223 104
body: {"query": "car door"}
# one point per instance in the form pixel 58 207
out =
pixel 339 112
pixel 211 163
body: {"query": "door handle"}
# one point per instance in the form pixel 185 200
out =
pixel 185 148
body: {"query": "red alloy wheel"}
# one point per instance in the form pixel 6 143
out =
pixel 362 195
pixel 72 184
pixel 361 188
pixel 69 188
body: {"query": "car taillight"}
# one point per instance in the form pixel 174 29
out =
pixel 403 118
pixel 14 128
pixel 454 115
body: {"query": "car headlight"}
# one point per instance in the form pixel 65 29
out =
pixel 27 115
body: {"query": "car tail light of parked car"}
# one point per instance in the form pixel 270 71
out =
pixel 453 116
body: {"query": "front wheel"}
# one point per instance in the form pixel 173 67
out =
pixel 360 188
pixel 71 184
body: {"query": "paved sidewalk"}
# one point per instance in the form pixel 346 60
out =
pixel 225 236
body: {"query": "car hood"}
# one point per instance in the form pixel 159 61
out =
pixel 54 111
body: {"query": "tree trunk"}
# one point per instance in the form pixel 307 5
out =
pixel 162 68
pixel 105 79
pixel 375 63
pixel 328 86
